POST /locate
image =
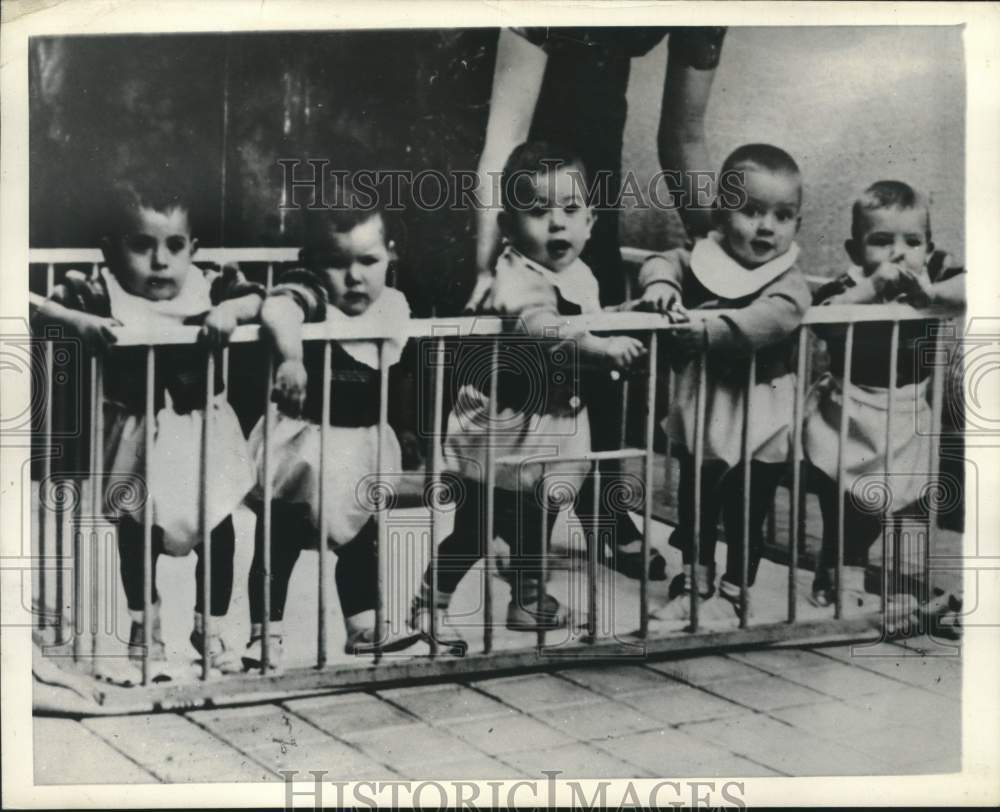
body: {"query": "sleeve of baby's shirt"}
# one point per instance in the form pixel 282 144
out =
pixel 78 291
pixel 771 317
pixel 230 283
pixel 305 290
pixel 526 294
pixel 668 267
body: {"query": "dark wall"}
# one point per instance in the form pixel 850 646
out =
pixel 226 108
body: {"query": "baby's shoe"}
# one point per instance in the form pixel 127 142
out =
pixel 220 656
pixel 823 593
pixel 678 607
pixel 527 613
pixel 363 638
pixel 159 667
pixel 253 656
pixel 731 592
pixel 421 614
pixel 627 559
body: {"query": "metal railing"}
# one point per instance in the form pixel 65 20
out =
pixel 438 332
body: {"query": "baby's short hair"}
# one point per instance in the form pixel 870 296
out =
pixel 533 158
pixel 350 207
pixel 766 156
pixel 886 194
pixel 158 187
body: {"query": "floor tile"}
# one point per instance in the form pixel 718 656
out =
pixel 674 753
pixel 443 703
pixel 614 680
pixel 533 691
pixel 573 761
pixel 681 703
pixel 508 735
pixel 345 715
pixel 702 670
pixel 66 752
pixel 841 681
pixel 175 749
pixel 763 692
pixel 603 720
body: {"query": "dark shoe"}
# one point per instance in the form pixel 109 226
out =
pixel 525 616
pixel 683 584
pixel 444 636
pixel 364 641
pixel 629 564
pixel 253 656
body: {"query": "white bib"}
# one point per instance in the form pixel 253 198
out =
pixel 725 277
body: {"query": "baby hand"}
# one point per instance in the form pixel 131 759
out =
pixel 658 297
pixel 685 342
pixel 96 332
pixel 623 351
pixel 886 279
pixel 289 390
pixel 217 328
pixel 916 288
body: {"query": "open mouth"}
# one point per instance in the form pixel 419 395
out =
pixel 558 247
pixel 761 246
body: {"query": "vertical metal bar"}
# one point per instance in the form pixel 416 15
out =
pixel 543 561
pixel 97 509
pixel 893 362
pixel 147 515
pixel 79 582
pixel 269 279
pixel 265 641
pixel 596 549
pixel 381 546
pixel 841 461
pixel 205 530
pixel 324 472
pixel 699 461
pixel 491 482
pixel 436 465
pixel 798 416
pixel 745 540
pixel 44 482
pixel 647 504
pixel 623 422
pixel 937 399
pixel 668 474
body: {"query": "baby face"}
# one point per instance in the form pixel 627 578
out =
pixel 354 265
pixel 553 222
pixel 894 235
pixel 769 219
pixel 153 258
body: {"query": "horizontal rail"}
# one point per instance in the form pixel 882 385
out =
pixel 592 456
pixel 463 326
pixel 64 256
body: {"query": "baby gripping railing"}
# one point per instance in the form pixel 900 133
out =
pixel 438 331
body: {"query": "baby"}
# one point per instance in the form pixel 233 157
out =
pixel 894 260
pixel 150 282
pixel 540 279
pixel 748 269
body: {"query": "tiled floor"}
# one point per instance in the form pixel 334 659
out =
pixel 780 711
